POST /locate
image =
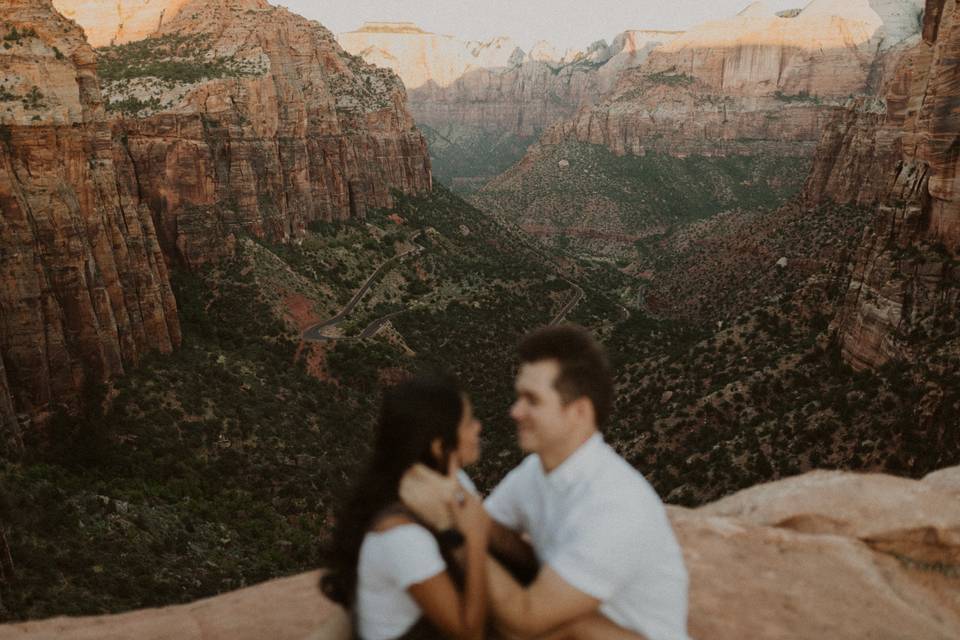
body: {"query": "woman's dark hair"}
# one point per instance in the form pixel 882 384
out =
pixel 413 414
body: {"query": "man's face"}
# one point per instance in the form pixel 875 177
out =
pixel 543 422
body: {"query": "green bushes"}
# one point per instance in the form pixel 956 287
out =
pixel 132 105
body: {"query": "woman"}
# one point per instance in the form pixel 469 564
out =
pixel 386 565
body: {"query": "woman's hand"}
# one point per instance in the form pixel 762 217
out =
pixel 429 494
pixel 470 517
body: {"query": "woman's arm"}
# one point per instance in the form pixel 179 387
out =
pixel 461 616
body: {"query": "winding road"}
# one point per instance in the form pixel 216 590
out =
pixel 314 333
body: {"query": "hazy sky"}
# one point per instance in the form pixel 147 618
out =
pixel 565 23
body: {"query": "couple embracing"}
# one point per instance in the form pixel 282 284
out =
pixel 573 543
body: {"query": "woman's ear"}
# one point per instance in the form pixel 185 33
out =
pixel 436 450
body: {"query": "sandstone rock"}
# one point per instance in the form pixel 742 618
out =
pixel 120 21
pixel 420 57
pixel 494 86
pixel 946 480
pixel 85 291
pixel 288 608
pixel 901 160
pixel 916 520
pixel 797 559
pixel 296 130
pixel 751 581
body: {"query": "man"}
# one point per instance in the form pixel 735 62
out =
pixel 610 565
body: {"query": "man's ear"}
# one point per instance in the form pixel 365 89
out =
pixel 436 449
pixel 583 412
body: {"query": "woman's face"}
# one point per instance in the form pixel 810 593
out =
pixel 468 436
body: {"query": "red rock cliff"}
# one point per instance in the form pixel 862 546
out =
pixel 84 290
pixel 289 129
pixel 906 280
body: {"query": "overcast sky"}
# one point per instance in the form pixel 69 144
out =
pixel 565 23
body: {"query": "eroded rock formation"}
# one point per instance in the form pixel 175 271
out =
pixel 119 21
pixel 233 117
pixel 85 291
pixel 250 118
pixel 482 103
pixel 826 554
pixel 906 283
pixel 755 83
pixel 756 86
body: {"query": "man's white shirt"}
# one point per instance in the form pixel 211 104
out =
pixel 602 528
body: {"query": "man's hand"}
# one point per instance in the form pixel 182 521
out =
pixel 429 495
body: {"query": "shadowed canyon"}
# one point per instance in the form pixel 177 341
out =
pixel 225 229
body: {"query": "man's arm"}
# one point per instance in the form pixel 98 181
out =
pixel 533 611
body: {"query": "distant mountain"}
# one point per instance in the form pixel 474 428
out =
pixel 752 86
pixel 482 103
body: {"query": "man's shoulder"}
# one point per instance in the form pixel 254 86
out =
pixel 620 481
pixel 529 468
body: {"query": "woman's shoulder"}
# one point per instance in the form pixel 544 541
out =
pixel 396 525
pixel 390 521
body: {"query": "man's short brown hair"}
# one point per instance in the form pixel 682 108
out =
pixel 584 369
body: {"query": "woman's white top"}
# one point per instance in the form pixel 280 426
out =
pixel 390 562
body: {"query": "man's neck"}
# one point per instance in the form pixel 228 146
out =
pixel 552 459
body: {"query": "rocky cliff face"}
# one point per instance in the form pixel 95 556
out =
pixel 826 554
pixel 756 86
pixel 482 103
pixel 245 117
pixel 85 291
pixel 755 83
pixel 906 285
pixel 120 21
pixel 234 116
pixel 532 90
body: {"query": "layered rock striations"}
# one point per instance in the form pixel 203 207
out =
pixel 482 103
pixel 754 83
pixel 85 291
pixel 119 21
pixel 753 91
pixel 244 117
pixel 534 90
pixel 905 288
pixel 232 117
pixel 826 554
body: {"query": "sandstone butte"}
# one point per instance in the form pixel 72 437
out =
pixel 303 131
pixel 494 86
pixel 85 291
pixel 823 555
pixel 902 158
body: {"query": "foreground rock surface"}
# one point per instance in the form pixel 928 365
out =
pixel 824 555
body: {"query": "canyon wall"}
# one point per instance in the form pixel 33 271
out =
pixel 481 104
pixel 906 283
pixel 495 85
pixel 119 21
pixel 240 116
pixel 232 117
pixel 755 83
pixel 85 291
pixel 744 100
